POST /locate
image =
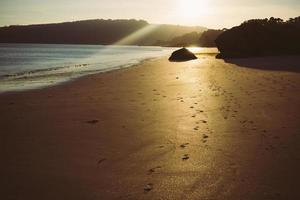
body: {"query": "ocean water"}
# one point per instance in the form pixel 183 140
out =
pixel 30 66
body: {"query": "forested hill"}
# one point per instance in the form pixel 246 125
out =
pixel 261 37
pixel 99 31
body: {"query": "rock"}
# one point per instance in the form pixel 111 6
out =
pixel 182 55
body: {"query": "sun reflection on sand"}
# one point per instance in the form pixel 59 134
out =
pixel 203 50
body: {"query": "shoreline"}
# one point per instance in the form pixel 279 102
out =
pixel 203 129
pixel 121 67
pixel 199 51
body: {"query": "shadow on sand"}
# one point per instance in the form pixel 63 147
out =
pixel 279 63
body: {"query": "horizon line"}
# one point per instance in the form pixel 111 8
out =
pixel 90 19
pixel 150 23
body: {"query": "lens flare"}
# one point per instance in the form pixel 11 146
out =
pixel 192 8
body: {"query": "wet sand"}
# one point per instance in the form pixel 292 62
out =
pixel 203 129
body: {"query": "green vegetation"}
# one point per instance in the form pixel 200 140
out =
pixel 261 37
pixel 209 37
pixel 93 32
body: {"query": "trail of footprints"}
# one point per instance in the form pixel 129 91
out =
pixel 229 110
pixel 185 157
pixel 230 102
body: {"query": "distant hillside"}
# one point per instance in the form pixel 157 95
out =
pixel 202 39
pixel 185 40
pixel 261 37
pixel 99 31
pixel 208 38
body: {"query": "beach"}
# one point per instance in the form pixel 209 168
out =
pixel 204 129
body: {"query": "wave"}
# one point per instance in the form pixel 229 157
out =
pixel 41 78
pixel 40 72
pixel 29 67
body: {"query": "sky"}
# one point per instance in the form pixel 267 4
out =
pixel 208 13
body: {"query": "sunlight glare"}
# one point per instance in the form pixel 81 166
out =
pixel 132 38
pixel 192 8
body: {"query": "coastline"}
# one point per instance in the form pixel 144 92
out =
pixel 74 78
pixel 38 66
pixel 156 130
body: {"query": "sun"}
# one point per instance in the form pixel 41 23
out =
pixel 192 8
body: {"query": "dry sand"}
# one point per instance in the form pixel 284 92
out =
pixel 203 129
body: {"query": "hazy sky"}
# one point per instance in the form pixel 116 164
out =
pixel 212 13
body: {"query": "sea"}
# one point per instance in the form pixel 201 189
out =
pixel 32 66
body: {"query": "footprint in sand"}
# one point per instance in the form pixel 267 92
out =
pixel 101 161
pixel 270 147
pixel 185 157
pixel 152 170
pixel 205 136
pixel 148 187
pixel 92 121
pixel 184 145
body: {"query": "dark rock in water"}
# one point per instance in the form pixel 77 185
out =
pixel 182 55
